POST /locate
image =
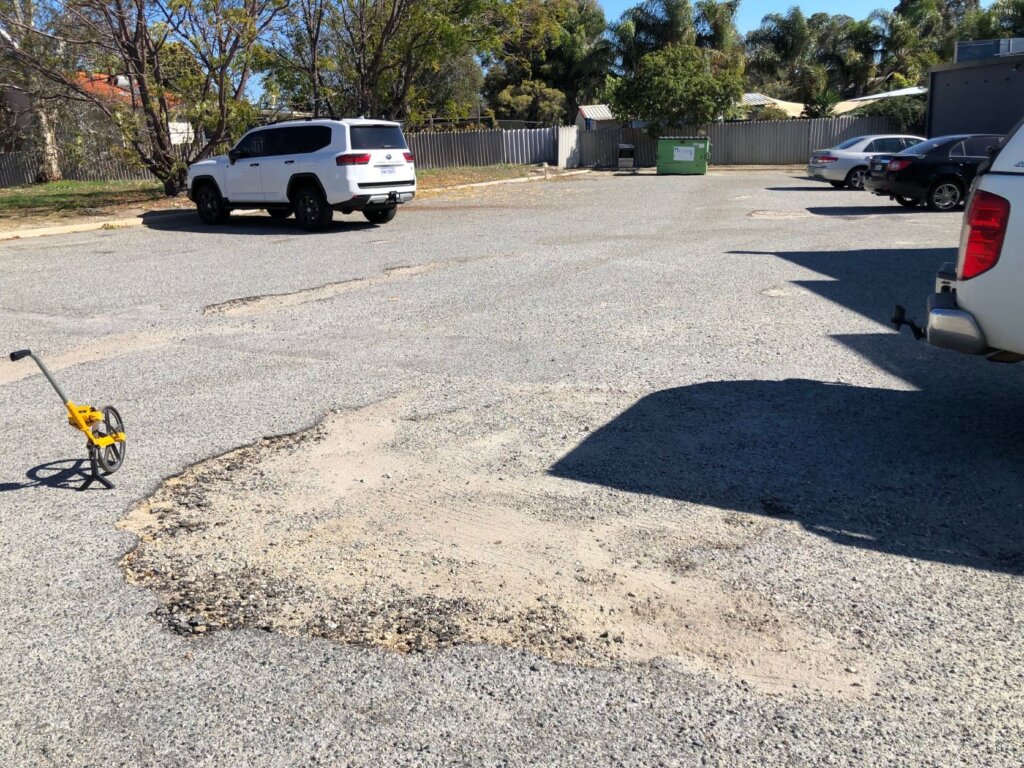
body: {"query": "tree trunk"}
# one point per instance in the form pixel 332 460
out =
pixel 46 148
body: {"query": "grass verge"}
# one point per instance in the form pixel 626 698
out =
pixel 64 202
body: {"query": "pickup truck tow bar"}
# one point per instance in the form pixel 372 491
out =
pixel 899 319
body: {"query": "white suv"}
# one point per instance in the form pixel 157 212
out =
pixel 976 307
pixel 310 168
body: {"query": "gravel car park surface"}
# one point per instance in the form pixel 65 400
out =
pixel 608 470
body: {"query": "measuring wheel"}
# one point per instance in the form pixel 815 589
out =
pixel 111 456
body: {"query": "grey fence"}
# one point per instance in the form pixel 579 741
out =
pixel 461 148
pixel 17 168
pixel 759 142
pixel 755 143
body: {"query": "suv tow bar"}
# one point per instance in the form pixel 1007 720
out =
pixel 899 319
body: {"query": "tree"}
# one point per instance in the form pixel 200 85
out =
pixel 145 42
pixel 375 57
pixel 531 101
pixel 20 24
pixel 649 27
pixel 678 84
pixel 560 43
pixel 822 104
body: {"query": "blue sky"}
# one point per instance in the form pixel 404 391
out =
pixel 752 11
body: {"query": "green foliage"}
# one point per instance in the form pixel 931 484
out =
pixel 771 112
pixel 558 42
pixel 822 104
pixel 907 113
pixel 531 101
pixel 678 84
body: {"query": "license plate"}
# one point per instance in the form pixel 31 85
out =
pixel 387 171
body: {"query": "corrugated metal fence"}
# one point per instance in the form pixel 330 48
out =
pixel 770 142
pixel 759 142
pixel 461 148
pixel 17 168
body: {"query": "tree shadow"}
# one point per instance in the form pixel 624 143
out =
pixel 933 472
pixel 246 225
pixel 65 474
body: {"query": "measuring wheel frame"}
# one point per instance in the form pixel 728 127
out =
pixel 104 429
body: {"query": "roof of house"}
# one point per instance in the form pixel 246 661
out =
pixel 597 112
pixel 103 86
pixel 791 108
pixel 109 87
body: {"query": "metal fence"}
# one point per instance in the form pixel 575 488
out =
pixel 460 148
pixel 758 142
pixel 770 142
pixel 17 168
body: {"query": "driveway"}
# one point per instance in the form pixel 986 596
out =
pixel 607 470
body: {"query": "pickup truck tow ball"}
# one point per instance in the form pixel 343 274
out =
pixel 899 319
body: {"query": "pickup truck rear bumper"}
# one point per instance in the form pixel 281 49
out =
pixel 953 328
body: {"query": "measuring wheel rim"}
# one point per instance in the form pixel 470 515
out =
pixel 112 456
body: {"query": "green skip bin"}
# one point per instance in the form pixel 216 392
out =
pixel 683 155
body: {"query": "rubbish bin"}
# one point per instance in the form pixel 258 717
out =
pixel 683 155
pixel 627 157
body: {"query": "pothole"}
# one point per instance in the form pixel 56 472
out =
pixel 411 526
pixel 778 215
pixel 257 305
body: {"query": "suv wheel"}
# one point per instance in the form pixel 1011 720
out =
pixel 855 178
pixel 945 195
pixel 380 215
pixel 210 205
pixel 311 209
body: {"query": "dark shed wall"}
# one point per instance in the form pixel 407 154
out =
pixel 979 97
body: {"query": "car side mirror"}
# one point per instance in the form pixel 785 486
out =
pixel 235 154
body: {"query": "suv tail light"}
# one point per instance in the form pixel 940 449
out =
pixel 409 157
pixel 898 164
pixel 983 233
pixel 353 159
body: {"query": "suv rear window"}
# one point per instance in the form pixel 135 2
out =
pixel 377 137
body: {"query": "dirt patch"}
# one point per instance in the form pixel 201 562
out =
pixel 778 215
pixel 405 528
pixel 104 348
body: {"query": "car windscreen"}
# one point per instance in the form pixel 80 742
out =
pixel 849 143
pixel 377 137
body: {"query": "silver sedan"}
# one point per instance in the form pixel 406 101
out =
pixel 845 165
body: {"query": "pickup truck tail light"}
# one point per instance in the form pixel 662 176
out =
pixel 353 159
pixel 983 232
pixel 409 157
pixel 898 164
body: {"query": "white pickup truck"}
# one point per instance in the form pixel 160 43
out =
pixel 978 304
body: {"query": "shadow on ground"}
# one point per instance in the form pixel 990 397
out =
pixel 247 225
pixel 823 187
pixel 65 474
pixel 854 211
pixel 935 473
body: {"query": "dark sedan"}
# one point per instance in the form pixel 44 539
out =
pixel 937 172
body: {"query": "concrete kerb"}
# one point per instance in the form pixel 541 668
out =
pixel 137 221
